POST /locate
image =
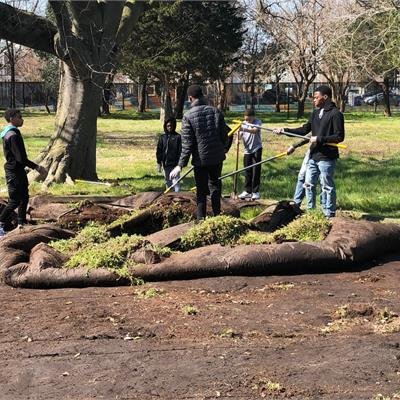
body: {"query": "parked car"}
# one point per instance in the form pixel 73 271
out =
pixel 269 97
pixel 377 98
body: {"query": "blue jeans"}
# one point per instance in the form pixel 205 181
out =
pixel 300 191
pixel 324 170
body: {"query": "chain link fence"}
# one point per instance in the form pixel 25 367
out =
pixel 239 96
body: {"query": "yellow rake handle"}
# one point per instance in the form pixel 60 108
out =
pixel 235 128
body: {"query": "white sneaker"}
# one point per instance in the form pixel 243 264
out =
pixel 2 233
pixel 255 196
pixel 244 195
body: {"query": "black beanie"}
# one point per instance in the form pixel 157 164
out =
pixel 195 91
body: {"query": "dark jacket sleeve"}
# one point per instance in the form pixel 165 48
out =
pixel 337 135
pixel 159 152
pixel 188 140
pixel 223 131
pixel 303 130
pixel 179 149
pixel 17 147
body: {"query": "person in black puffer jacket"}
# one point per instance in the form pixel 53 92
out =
pixel 168 152
pixel 205 138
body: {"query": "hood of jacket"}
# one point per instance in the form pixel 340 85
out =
pixel 329 105
pixel 7 129
pixel 173 122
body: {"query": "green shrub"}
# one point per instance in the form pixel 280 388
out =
pixel 222 229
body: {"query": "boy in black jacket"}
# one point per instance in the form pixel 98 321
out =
pixel 169 148
pixel 326 125
pixel 16 161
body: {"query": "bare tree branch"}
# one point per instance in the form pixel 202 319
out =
pixel 130 16
pixel 26 29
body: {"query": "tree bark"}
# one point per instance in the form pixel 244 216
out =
pixel 75 137
pixel 107 95
pixel 252 87
pixel 166 103
pixel 222 98
pixel 86 36
pixel 182 92
pixel 386 99
pixel 143 94
pixel 11 61
pixel 277 95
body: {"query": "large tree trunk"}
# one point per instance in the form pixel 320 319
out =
pixel 222 97
pixel 143 95
pixel 72 148
pixel 182 94
pixel 11 60
pixel 107 95
pixel 277 95
pixel 386 100
pixel 252 87
pixel 166 103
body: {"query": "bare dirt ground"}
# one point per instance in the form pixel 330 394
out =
pixel 271 337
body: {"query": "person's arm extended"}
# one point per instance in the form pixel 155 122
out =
pixel 252 129
pixel 338 131
pixel 187 136
pixel 17 147
pixel 303 130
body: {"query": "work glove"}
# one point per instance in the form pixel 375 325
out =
pixel 313 139
pixel 279 131
pixel 159 168
pixel 175 172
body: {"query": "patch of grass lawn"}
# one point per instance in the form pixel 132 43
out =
pixel 367 174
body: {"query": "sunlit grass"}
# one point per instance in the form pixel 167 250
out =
pixel 367 174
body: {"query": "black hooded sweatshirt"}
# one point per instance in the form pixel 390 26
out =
pixel 328 129
pixel 169 146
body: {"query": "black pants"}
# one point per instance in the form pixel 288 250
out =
pixel 253 175
pixel 207 182
pixel 17 185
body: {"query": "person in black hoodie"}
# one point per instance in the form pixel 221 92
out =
pixel 205 139
pixel 326 125
pixel 169 149
pixel 16 161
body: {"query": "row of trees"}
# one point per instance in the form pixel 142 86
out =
pixel 180 42
pixel 344 40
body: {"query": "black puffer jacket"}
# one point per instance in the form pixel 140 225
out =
pixel 204 135
pixel 169 146
pixel 328 129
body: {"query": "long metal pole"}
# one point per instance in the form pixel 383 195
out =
pixel 253 165
pixel 235 182
pixel 339 145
